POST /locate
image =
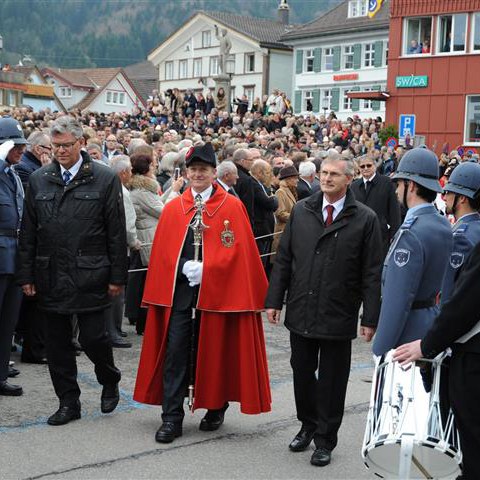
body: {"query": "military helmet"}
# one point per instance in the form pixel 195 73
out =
pixel 464 180
pixel 421 166
pixel 10 129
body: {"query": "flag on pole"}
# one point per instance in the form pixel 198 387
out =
pixel 373 7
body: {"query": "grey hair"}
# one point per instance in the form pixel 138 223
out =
pixel 240 154
pixel 120 163
pixel 185 143
pixel 334 157
pixel 225 167
pixel 134 144
pixel 306 169
pixel 94 146
pixel 36 138
pixel 66 124
pixel 168 161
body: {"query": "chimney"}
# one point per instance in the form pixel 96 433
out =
pixel 283 12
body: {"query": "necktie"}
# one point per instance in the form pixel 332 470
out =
pixel 367 186
pixel 329 219
pixel 66 177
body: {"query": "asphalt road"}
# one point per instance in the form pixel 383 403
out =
pixel 121 445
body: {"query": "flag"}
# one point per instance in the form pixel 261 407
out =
pixel 373 7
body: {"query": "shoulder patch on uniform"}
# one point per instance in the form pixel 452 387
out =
pixel 462 228
pixel 408 223
pixel 401 256
pixel 456 259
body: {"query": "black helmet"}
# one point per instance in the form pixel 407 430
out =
pixel 421 166
pixel 464 180
pixel 10 129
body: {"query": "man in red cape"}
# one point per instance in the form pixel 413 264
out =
pixel 227 287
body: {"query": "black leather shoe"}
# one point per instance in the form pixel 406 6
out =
pixel 321 457
pixel 110 398
pixel 38 361
pixel 119 342
pixel 213 419
pixel 9 390
pixel 64 415
pixel 302 440
pixel 13 372
pixel 122 333
pixel 168 432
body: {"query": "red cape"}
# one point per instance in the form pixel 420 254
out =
pixel 231 358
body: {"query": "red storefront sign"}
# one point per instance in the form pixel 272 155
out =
pixel 346 76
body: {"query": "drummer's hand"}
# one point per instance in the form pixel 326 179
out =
pixel 408 353
pixel 273 315
pixel 367 333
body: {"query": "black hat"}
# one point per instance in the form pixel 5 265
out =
pixel 287 172
pixel 201 153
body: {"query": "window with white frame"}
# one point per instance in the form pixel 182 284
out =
pixel 307 100
pixel 476 32
pixel 347 101
pixel 65 92
pixel 452 33
pixel 114 98
pixel 417 35
pixel 168 70
pixel 308 61
pixel 206 39
pixel 328 59
pixel 214 66
pixel 249 92
pixel 369 55
pixel 357 8
pixel 367 103
pixel 348 57
pixel 249 62
pixel 326 99
pixel 182 68
pixel 197 67
pixel 472 120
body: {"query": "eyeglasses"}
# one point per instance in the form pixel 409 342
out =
pixel 46 147
pixel 65 146
pixel 368 165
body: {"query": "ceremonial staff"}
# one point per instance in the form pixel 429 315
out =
pixel 197 227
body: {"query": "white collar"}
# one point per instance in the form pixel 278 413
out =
pixel 205 194
pixel 365 180
pixel 337 206
pixel 73 169
pixel 223 184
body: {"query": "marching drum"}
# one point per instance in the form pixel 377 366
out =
pixel 405 436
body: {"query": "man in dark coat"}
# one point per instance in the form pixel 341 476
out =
pixel 308 183
pixel 329 261
pixel 72 255
pixel 378 192
pixel 244 186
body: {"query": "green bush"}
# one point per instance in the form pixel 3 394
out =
pixel 387 132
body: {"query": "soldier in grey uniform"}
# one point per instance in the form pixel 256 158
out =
pixel 463 203
pixel 417 259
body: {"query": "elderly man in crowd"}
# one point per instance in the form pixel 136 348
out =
pixel 308 183
pixel 227 176
pixel 245 188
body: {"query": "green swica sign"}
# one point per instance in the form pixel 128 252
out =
pixel 412 81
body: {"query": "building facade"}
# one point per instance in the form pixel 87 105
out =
pixel 433 71
pixel 342 51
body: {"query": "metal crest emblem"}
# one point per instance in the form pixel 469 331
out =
pixel 227 235
pixel 401 257
pixel 456 259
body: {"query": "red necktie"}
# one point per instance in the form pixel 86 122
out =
pixel 329 219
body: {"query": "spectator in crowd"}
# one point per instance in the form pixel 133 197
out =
pixel 221 101
pixel 111 147
pixel 227 176
pixel 95 152
pixel 244 188
pixel 308 183
pixel 414 47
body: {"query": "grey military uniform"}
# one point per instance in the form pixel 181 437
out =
pixel 412 277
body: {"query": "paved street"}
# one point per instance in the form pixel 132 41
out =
pixel 122 446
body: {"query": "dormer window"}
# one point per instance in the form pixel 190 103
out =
pixel 357 8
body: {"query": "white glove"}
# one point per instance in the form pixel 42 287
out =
pixel 5 148
pixel 193 271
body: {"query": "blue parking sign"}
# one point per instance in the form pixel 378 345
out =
pixel 406 126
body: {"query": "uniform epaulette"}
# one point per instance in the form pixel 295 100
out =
pixel 461 229
pixel 407 224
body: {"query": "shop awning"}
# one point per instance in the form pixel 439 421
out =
pixel 375 95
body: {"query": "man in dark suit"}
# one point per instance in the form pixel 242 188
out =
pixel 244 160
pixel 227 176
pixel 308 183
pixel 378 192
pixel 265 204
pixel 12 145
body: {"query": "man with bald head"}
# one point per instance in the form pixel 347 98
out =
pixel 243 161
pixel 265 205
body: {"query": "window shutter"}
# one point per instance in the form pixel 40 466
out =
pixel 336 58
pixel 317 59
pixel 298 101
pixel 355 101
pixel 299 68
pixel 357 56
pixel 335 99
pixel 316 101
pixel 377 88
pixel 378 54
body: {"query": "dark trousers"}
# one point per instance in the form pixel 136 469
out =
pixel 464 383
pixel 34 334
pixel 134 293
pixel 264 248
pixel 61 354
pixel 320 399
pixel 176 371
pixel 10 301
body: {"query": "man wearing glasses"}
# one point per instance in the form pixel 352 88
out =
pixel 378 192
pixel 73 258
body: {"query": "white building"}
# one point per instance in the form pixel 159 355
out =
pixel 258 63
pixel 102 90
pixel 342 51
